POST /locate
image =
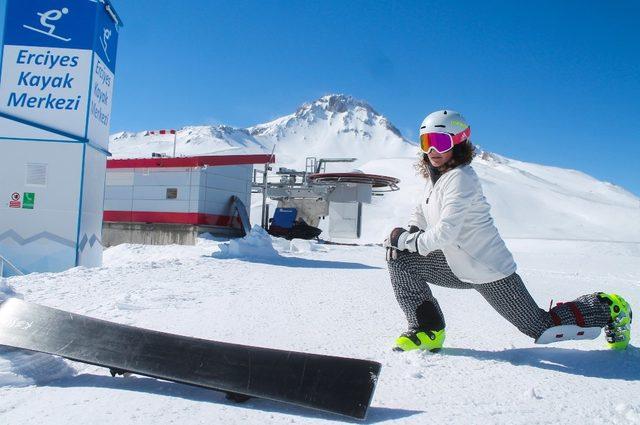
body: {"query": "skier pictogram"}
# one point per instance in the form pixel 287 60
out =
pixel 45 21
pixel 106 34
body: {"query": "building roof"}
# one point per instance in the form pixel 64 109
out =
pixel 190 161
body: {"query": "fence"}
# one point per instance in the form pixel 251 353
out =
pixel 4 263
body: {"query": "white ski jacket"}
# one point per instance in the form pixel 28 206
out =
pixel 454 216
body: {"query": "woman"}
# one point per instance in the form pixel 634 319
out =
pixel 453 242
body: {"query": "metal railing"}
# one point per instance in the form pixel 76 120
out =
pixel 4 262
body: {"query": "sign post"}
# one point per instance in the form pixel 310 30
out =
pixel 57 70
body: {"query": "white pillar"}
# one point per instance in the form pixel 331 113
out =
pixel 56 83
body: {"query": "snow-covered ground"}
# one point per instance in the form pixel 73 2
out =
pixel 570 234
pixel 334 300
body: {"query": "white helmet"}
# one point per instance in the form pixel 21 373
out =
pixel 445 121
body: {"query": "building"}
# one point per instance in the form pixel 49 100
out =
pixel 172 200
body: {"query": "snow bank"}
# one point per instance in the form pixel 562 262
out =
pixel 5 290
pixel 260 245
pixel 122 254
pixel 298 246
pixel 19 368
pixel 257 244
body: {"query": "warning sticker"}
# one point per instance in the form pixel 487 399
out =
pixel 15 200
pixel 28 200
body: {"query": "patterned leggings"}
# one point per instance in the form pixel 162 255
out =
pixel 411 274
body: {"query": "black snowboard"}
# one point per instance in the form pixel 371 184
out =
pixel 333 384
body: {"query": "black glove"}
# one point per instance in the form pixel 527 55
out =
pixel 395 236
pixel 391 243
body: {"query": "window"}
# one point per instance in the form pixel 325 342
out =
pixel 172 193
pixel 36 174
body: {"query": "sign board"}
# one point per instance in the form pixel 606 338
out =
pixel 102 79
pixel 15 201
pixel 58 65
pixel 28 200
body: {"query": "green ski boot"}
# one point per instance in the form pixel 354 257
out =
pixel 420 340
pixel 618 330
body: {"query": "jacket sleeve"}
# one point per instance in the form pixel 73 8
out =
pixel 417 217
pixel 457 200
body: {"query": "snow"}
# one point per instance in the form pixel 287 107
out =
pixel 257 244
pixel 22 368
pixel 335 300
pixel 570 234
pixel 332 126
pixel 5 290
pixel 191 140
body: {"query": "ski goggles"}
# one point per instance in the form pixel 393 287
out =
pixel 442 142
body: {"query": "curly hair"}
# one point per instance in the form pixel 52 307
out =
pixel 463 154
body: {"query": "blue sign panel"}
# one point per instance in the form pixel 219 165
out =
pixel 3 10
pixel 106 39
pixel 58 64
pixel 50 23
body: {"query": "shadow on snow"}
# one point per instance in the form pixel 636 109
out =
pixel 188 392
pixel 605 364
pixel 299 262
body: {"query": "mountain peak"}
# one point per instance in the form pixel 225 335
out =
pixel 345 108
pixel 338 103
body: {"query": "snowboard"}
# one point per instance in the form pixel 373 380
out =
pixel 333 384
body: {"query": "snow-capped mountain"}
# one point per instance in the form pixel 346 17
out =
pixel 333 126
pixel 528 200
pixel 190 140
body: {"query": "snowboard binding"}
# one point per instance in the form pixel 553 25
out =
pixel 236 397
pixel 618 330
pixel 119 372
pixel 415 339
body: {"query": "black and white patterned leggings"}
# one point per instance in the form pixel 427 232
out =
pixel 411 274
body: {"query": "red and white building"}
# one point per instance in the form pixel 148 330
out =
pixel 171 200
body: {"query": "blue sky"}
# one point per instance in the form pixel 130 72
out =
pixel 552 82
